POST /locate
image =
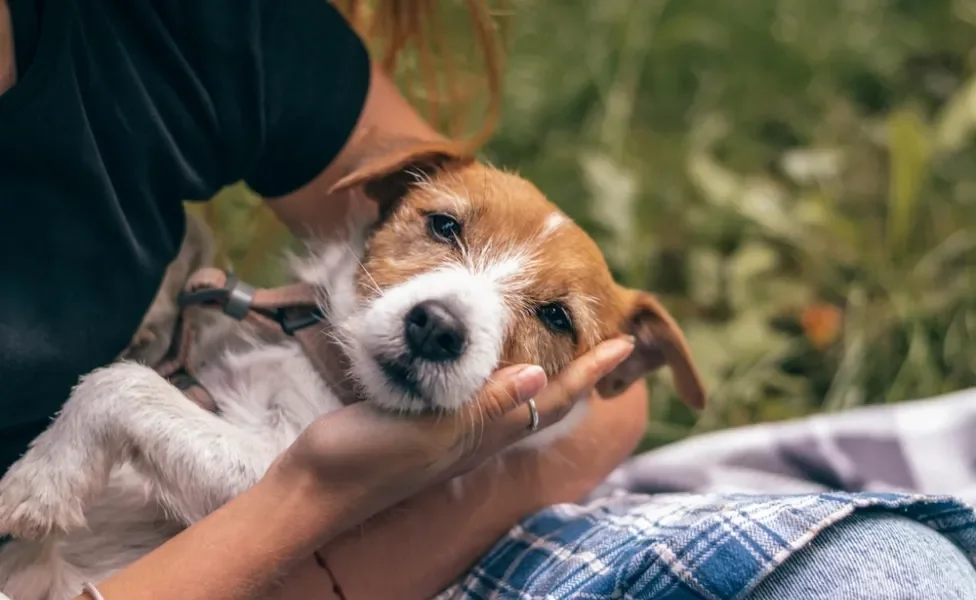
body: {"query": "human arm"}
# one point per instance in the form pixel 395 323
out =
pixel 239 550
pixel 428 541
pixel 343 469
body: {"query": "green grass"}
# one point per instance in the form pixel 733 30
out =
pixel 796 179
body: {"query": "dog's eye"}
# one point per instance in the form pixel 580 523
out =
pixel 444 228
pixel 555 317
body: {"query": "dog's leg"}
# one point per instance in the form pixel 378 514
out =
pixel 127 411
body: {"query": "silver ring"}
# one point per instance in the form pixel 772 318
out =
pixel 533 415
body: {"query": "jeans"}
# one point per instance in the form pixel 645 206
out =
pixel 873 551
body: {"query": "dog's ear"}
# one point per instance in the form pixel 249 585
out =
pixel 659 342
pixel 385 167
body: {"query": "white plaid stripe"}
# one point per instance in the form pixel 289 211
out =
pixel 674 537
pixel 677 547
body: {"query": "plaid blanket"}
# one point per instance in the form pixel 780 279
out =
pixel 712 516
pixel 926 446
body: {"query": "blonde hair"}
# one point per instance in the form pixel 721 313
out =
pixel 411 40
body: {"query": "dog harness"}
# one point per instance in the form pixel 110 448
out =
pixel 291 309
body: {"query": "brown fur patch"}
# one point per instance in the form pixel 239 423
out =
pixel 504 217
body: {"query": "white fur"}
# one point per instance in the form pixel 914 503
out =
pixel 129 461
pixel 553 222
pixel 376 333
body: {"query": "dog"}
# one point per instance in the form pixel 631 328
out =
pixel 450 271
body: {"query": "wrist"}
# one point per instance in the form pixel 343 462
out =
pixel 302 503
pixel 242 548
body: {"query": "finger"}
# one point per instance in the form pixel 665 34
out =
pixel 574 383
pixel 509 388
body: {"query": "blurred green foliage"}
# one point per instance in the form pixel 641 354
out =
pixel 795 178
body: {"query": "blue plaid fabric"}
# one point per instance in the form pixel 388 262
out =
pixel 679 546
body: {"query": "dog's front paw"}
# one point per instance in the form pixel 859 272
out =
pixel 68 465
pixel 36 502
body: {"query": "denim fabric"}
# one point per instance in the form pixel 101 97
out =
pixel 873 556
pixel 734 547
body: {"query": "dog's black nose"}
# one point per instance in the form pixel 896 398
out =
pixel 434 333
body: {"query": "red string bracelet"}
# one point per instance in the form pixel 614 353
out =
pixel 320 561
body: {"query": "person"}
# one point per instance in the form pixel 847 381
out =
pixel 112 113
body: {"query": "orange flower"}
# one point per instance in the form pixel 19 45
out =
pixel 821 324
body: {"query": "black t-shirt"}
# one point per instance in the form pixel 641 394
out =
pixel 122 110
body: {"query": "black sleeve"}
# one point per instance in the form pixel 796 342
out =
pixel 285 83
pixel 314 76
pixel 314 73
pixel 287 80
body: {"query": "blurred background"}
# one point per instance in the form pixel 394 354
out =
pixel 795 178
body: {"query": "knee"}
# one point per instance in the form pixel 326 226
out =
pixel 873 555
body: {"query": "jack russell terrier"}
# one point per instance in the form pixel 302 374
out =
pixel 456 270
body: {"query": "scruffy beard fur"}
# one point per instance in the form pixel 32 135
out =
pixel 368 319
pixel 129 461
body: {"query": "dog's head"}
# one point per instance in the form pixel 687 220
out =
pixel 465 269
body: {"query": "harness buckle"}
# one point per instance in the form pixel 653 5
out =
pixel 235 297
pixel 240 296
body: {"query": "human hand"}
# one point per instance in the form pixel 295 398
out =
pixel 369 460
